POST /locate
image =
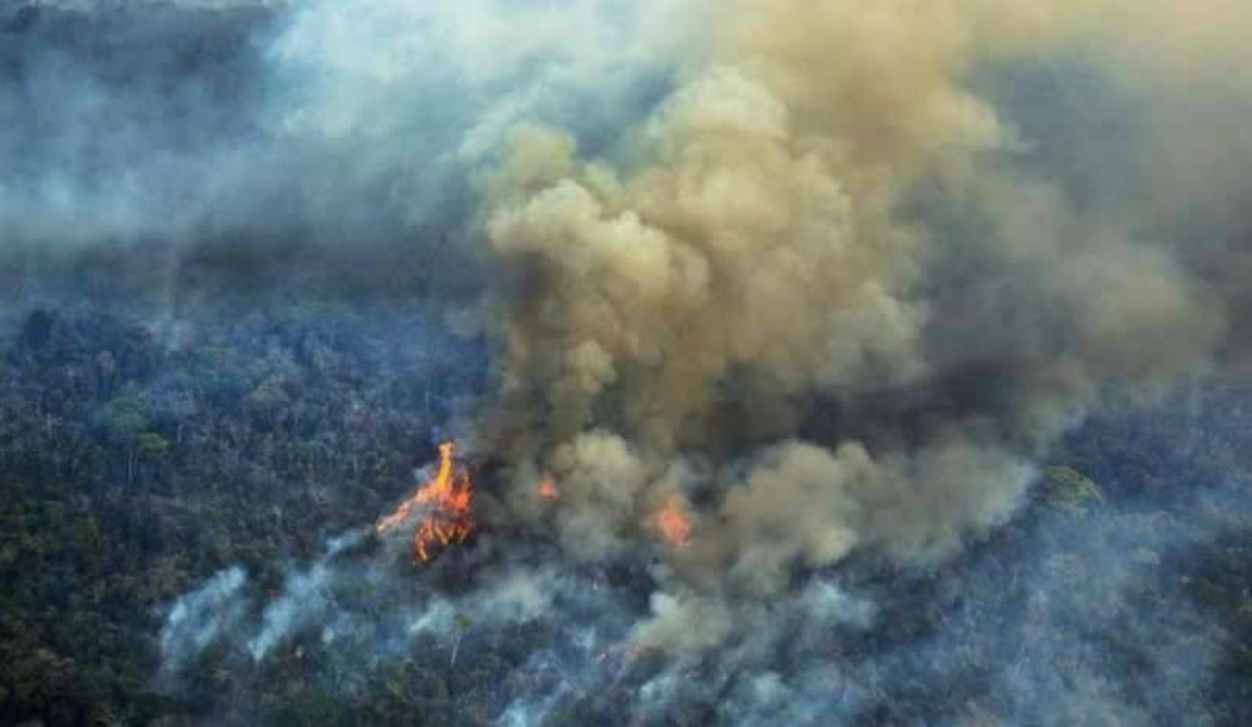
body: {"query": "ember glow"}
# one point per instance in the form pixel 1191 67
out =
pixel 673 523
pixel 443 505
pixel 547 490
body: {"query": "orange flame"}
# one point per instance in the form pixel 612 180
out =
pixel 445 501
pixel 547 489
pixel 673 523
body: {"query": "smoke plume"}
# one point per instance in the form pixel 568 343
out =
pixel 822 281
pixel 761 251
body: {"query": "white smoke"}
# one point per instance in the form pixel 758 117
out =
pixel 795 266
pixel 202 616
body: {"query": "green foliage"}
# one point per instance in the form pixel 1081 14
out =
pixel 123 417
pixel 1068 489
pixel 153 445
pixel 254 439
pixel 131 473
pixel 312 707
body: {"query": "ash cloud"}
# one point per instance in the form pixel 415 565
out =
pixel 774 236
pixel 834 278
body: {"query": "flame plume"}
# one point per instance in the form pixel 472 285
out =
pixel 444 503
pixel 673 523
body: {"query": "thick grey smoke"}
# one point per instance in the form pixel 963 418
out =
pixel 826 279
pixel 753 251
pixel 1081 615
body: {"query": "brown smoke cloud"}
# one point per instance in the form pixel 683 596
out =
pixel 750 256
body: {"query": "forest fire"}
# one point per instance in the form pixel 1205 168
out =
pixel 673 523
pixel 443 504
pixel 547 489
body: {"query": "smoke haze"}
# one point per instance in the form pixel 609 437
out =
pixel 751 249
pixel 831 279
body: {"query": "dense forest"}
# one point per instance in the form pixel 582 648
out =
pixel 139 459
pixel 812 363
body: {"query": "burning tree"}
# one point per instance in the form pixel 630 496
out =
pixel 443 506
